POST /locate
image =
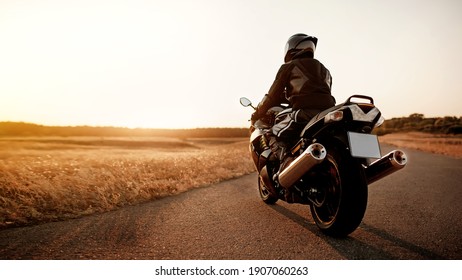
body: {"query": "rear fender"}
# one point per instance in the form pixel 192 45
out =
pixel 339 140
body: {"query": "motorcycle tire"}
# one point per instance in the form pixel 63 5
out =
pixel 344 193
pixel 265 194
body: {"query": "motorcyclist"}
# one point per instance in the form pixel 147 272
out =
pixel 302 82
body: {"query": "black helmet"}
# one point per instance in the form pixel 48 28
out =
pixel 299 42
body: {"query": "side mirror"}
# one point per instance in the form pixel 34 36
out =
pixel 245 102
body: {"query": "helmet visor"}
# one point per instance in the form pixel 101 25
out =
pixel 307 44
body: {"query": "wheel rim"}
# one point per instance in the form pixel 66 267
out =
pixel 330 197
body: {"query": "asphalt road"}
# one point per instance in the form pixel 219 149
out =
pixel 413 214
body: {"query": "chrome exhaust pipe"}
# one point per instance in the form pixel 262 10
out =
pixel 388 164
pixel 313 155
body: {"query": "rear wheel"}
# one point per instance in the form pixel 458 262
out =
pixel 341 198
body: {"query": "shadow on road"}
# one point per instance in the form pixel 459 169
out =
pixel 355 249
pixel 425 253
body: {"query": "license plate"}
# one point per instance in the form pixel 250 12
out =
pixel 364 145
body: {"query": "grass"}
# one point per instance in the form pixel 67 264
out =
pixel 433 143
pixel 48 179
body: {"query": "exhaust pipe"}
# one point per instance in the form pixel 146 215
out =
pixel 385 166
pixel 312 156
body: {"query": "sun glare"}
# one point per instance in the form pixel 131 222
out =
pixel 161 64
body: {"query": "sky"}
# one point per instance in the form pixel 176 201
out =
pixel 185 63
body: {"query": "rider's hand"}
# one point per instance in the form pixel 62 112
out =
pixel 255 117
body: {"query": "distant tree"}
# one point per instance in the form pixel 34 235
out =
pixel 416 117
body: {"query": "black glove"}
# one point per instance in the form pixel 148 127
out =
pixel 255 116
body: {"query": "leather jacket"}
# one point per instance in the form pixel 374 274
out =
pixel 303 83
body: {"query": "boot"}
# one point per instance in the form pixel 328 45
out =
pixel 277 147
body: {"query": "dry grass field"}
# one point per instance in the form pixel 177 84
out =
pixel 439 144
pixel 47 179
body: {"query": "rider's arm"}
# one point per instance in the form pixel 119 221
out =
pixel 276 93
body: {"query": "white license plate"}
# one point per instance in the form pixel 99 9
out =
pixel 364 145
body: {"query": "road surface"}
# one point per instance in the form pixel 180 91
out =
pixel 413 214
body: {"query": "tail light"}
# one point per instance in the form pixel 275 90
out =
pixel 333 117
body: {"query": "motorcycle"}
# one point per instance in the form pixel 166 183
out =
pixel 334 160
